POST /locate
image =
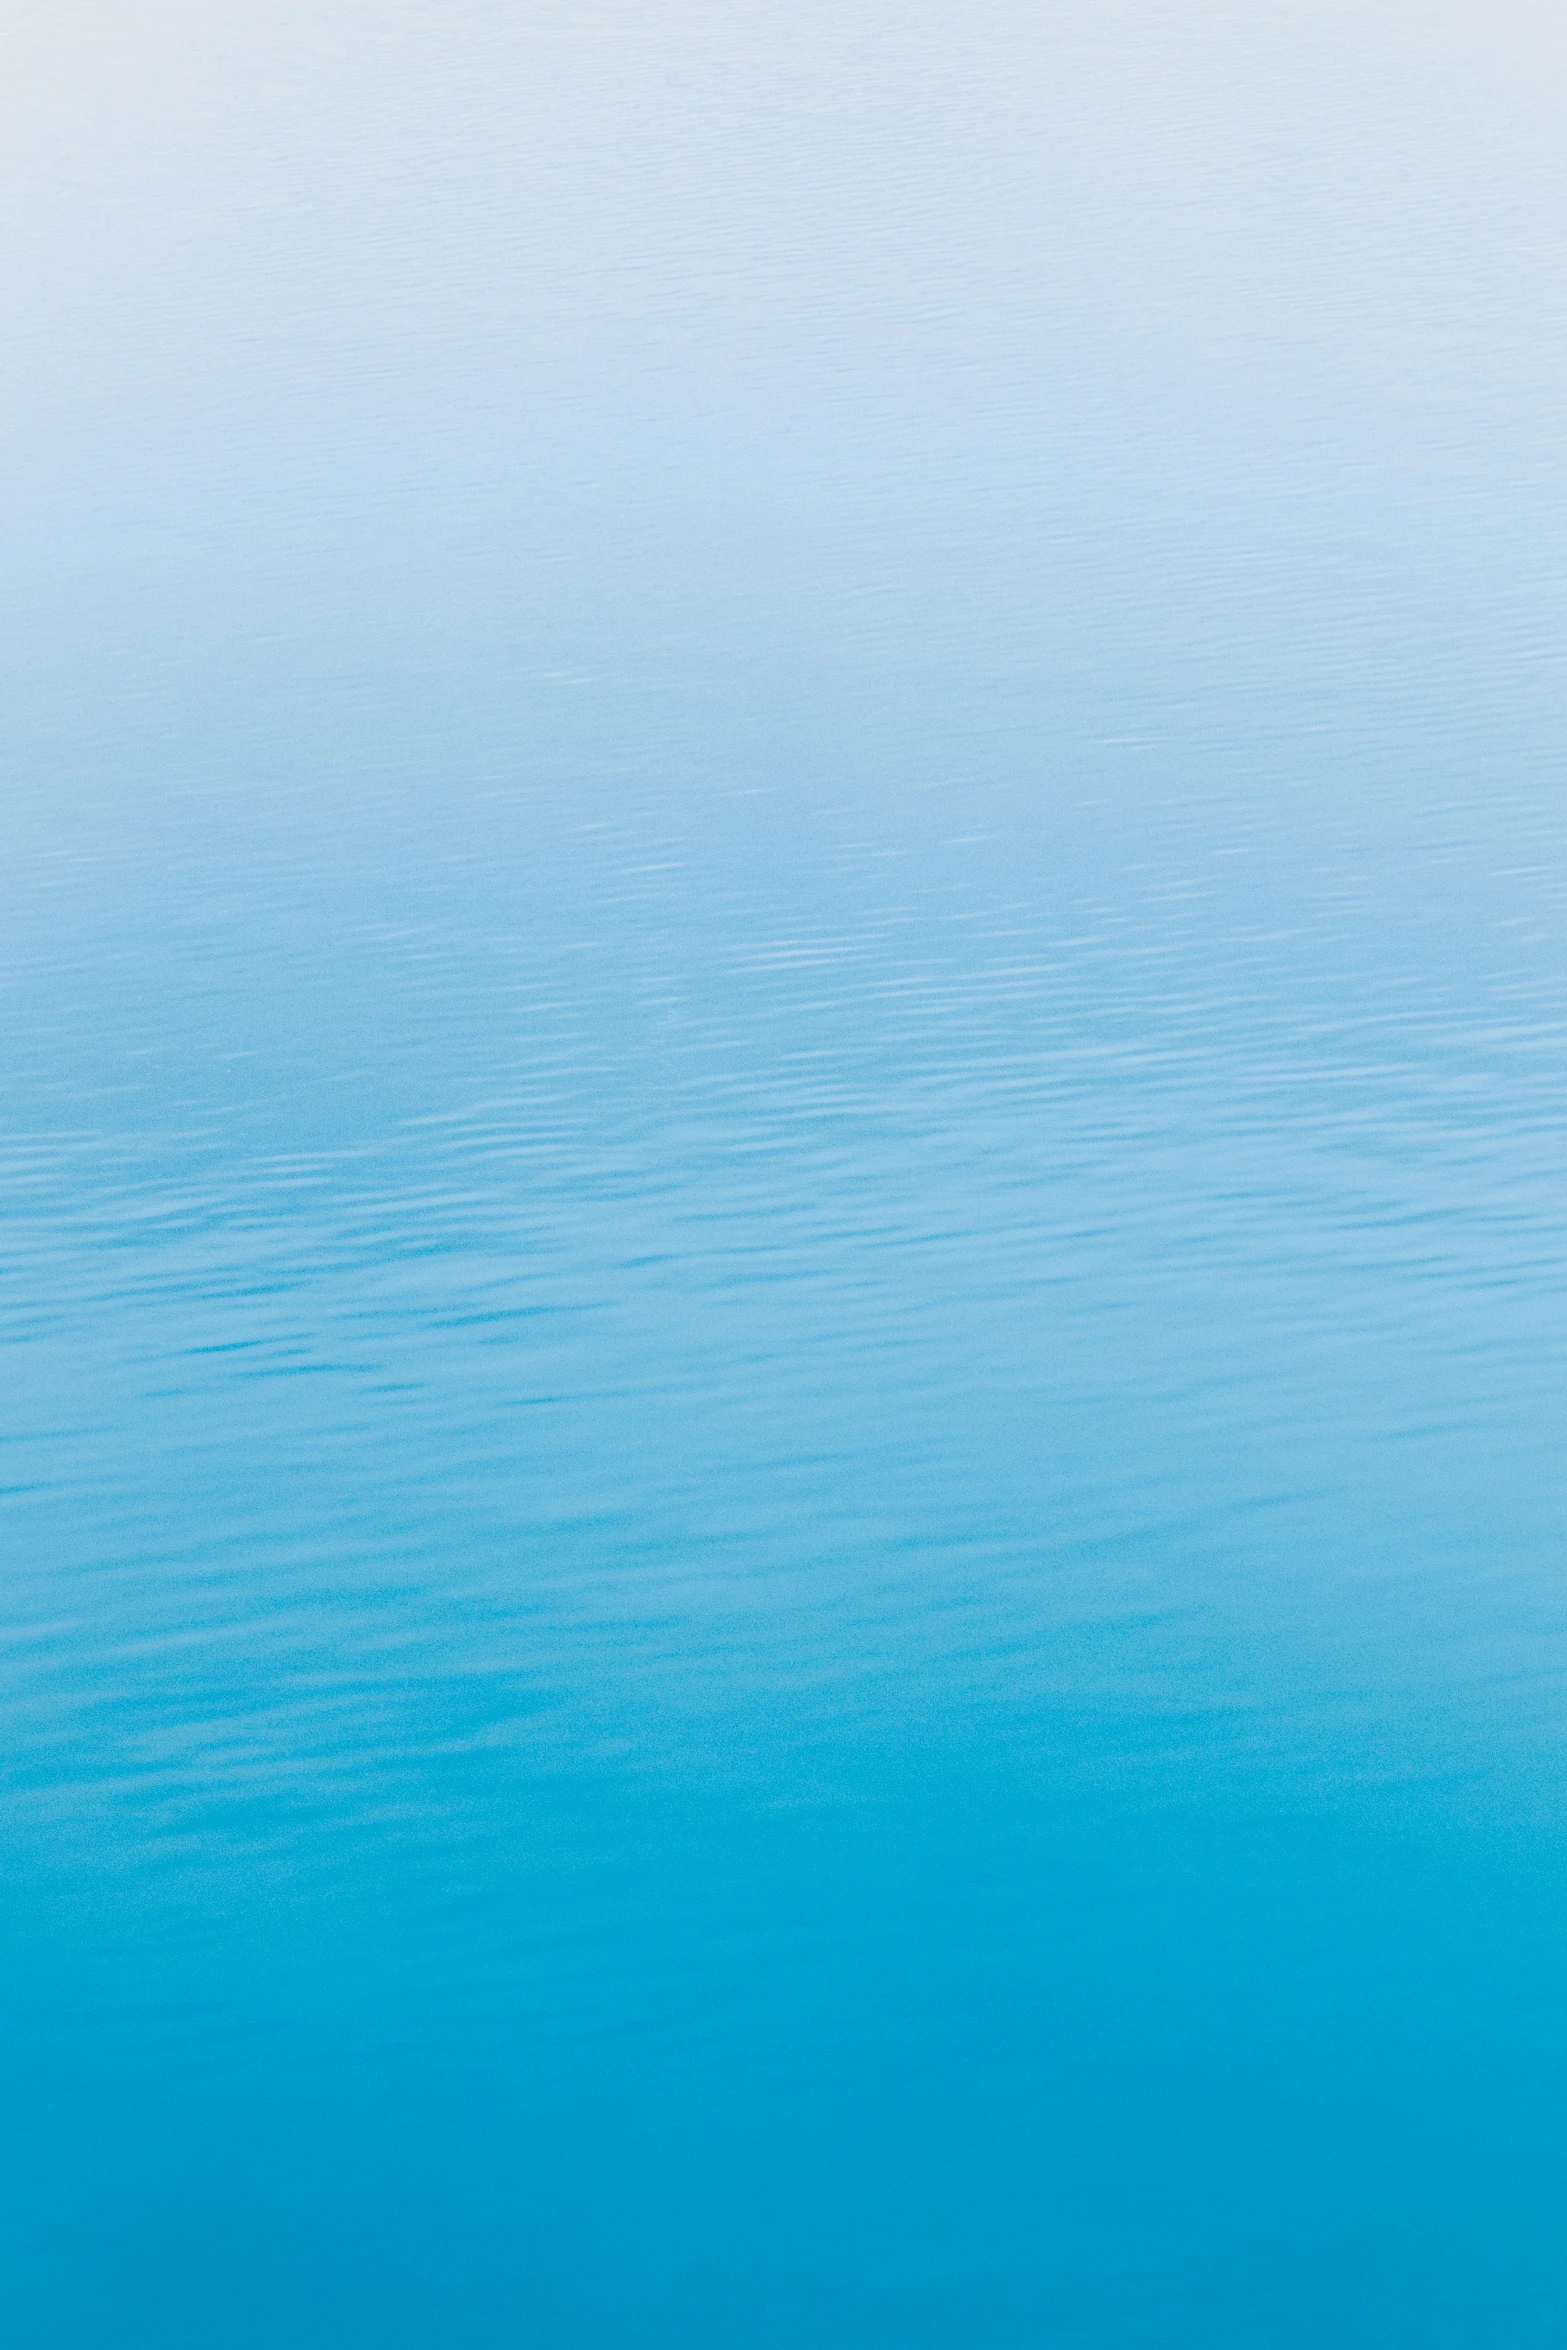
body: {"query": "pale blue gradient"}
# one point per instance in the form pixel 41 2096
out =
pixel 784 997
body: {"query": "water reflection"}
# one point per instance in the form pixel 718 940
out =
pixel 783 1220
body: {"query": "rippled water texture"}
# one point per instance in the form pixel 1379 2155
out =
pixel 782 1003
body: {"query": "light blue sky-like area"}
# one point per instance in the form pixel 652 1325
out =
pixel 879 352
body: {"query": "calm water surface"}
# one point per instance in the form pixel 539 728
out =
pixel 782 1017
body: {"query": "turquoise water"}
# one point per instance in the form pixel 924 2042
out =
pixel 784 1000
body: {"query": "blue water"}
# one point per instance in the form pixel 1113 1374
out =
pixel 783 1038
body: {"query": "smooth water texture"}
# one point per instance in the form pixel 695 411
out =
pixel 782 1020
